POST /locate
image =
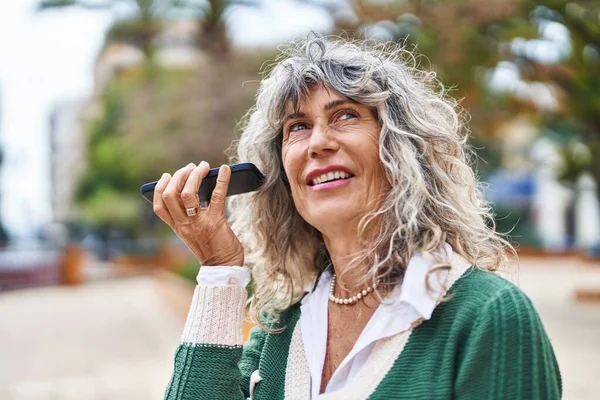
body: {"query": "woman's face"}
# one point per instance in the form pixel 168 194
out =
pixel 330 154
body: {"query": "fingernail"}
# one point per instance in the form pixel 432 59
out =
pixel 190 165
pixel 203 163
pixel 164 176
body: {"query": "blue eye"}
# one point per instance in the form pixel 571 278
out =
pixel 297 127
pixel 346 115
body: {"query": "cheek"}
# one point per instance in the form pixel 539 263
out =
pixel 288 164
pixel 372 149
pixel 292 164
pixel 372 163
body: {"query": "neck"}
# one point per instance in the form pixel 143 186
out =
pixel 342 246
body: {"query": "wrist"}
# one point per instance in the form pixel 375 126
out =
pixel 220 253
pixel 236 261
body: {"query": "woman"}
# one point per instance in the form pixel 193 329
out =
pixel 363 243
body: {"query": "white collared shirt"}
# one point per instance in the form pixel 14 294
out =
pixel 406 304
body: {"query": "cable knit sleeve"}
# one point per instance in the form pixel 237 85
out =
pixel 507 354
pixel 210 362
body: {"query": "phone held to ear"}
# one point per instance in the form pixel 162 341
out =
pixel 245 178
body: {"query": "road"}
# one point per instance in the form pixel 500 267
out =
pixel 115 339
pixel 574 328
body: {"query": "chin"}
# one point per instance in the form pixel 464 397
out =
pixel 332 216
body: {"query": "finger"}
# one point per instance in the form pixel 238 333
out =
pixel 158 205
pixel 189 193
pixel 217 199
pixel 171 196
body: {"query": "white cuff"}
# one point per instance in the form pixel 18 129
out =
pixel 223 276
pixel 216 316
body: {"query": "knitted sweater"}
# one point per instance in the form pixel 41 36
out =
pixel 485 341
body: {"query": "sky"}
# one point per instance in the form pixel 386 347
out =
pixel 47 59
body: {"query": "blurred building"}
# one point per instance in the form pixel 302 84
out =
pixel 67 156
pixel 175 45
pixel 566 216
pixel 587 215
pixel 552 199
pixel 540 209
pixel 175 48
pixel 4 237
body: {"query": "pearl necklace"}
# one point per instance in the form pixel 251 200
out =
pixel 350 300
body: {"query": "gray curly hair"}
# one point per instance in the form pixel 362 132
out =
pixel 434 195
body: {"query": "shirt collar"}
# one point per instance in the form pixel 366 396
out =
pixel 413 291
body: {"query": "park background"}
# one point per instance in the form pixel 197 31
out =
pixel 100 96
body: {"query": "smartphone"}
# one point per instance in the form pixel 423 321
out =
pixel 245 178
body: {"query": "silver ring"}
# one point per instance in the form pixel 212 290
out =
pixel 191 211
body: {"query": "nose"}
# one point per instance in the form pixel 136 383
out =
pixel 322 141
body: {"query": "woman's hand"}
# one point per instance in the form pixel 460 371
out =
pixel 207 233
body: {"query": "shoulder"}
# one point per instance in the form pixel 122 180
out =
pixel 482 295
pixel 502 348
pixel 482 284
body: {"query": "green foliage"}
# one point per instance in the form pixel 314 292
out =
pixel 108 207
pixel 189 270
pixel 576 156
pixel 458 39
pixel 463 39
pixel 152 126
pixel 104 195
pixel 106 155
pixel 574 79
pixel 488 156
pixel 137 31
pixel 518 225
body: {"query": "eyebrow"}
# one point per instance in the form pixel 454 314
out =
pixel 328 107
pixel 335 103
pixel 294 116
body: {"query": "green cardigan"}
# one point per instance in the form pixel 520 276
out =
pixel 485 341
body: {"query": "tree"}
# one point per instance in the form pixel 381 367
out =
pixel 212 35
pixel 141 30
pixel 458 39
pixel 574 77
pixel 146 130
pixel 465 39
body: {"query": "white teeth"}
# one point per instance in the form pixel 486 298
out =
pixel 329 176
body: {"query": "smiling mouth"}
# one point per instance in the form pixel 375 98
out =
pixel 330 177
